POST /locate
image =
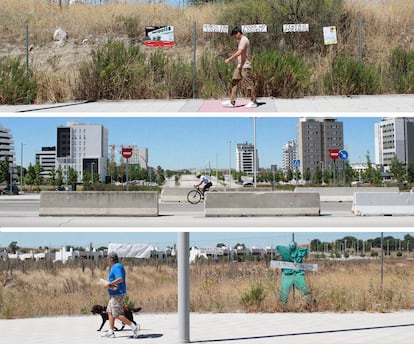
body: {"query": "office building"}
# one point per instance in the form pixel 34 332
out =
pixel 316 137
pixel 83 147
pixel 7 150
pixel 245 158
pixel 47 159
pixel 289 156
pixel 394 137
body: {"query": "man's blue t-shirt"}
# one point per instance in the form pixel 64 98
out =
pixel 117 271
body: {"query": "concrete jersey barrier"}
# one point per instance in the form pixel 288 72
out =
pixel 261 204
pixel 99 203
pixel 377 203
pixel 343 194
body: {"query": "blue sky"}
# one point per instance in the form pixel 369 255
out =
pixel 160 239
pixel 190 142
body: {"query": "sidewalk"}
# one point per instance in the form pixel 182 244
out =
pixel 393 103
pixel 254 328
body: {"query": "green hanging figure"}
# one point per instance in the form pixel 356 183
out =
pixel 292 277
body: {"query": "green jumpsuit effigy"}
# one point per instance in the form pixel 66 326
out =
pixel 292 277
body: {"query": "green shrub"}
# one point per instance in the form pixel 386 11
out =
pixel 253 297
pixel 402 70
pixel 349 76
pixel 17 86
pixel 280 75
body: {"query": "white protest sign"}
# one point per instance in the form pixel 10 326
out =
pixel 329 35
pixel 295 27
pixel 254 28
pixel 274 264
pixel 215 28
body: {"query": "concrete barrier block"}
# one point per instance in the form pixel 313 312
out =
pixel 261 204
pixel 343 194
pixel 99 203
pixel 383 204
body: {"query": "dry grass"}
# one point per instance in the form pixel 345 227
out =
pixel 346 286
pixel 387 25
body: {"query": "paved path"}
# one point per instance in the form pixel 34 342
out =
pixel 323 104
pixel 252 328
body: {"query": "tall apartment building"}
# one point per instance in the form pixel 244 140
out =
pixel 83 147
pixel 394 137
pixel 316 137
pixel 47 159
pixel 245 158
pixel 289 154
pixel 7 150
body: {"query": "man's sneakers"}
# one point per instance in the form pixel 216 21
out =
pixel 109 333
pixel 135 330
pixel 251 105
pixel 228 104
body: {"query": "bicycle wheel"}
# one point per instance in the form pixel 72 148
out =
pixel 194 197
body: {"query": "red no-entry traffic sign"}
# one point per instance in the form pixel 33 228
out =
pixel 334 154
pixel 126 152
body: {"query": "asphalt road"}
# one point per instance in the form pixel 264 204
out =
pixel 24 213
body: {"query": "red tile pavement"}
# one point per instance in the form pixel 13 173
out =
pixel 214 105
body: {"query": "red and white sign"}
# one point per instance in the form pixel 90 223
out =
pixel 334 154
pixel 126 152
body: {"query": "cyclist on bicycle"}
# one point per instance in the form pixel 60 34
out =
pixel 203 180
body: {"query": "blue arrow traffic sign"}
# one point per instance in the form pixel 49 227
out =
pixel 343 154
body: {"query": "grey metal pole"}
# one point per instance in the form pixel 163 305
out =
pixel 183 287
pixel 382 261
pixel 127 163
pixel 27 50
pixel 194 60
pixel 254 154
pixel 361 44
pixel 21 167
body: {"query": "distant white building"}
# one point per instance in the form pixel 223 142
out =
pixel 47 159
pixel 245 154
pixel 289 154
pixel 139 156
pixel 394 137
pixel 83 147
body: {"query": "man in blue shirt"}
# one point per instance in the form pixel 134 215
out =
pixel 117 293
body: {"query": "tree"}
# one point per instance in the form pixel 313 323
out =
pixel 4 170
pixel 316 177
pixel 398 170
pixel 372 175
pixel 30 176
pixel 307 174
pixel 38 174
pixel 72 175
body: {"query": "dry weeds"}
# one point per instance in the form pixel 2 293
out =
pixel 339 286
pixel 386 25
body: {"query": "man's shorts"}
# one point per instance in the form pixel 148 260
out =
pixel 116 305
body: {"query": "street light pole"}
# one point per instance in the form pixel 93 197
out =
pixel 254 154
pixel 92 168
pixel 229 142
pixel 21 167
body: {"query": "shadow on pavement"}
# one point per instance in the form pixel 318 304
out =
pixel 301 333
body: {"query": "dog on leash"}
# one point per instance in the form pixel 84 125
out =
pixel 128 312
